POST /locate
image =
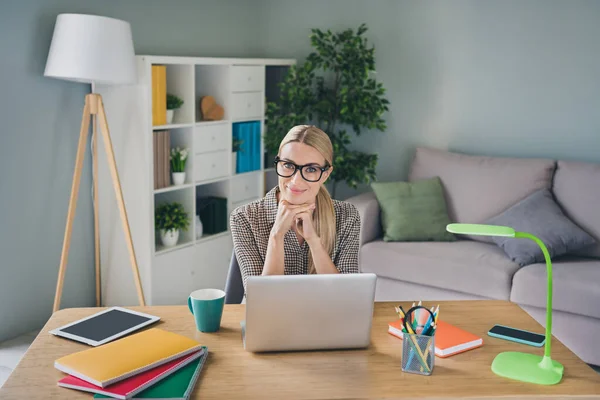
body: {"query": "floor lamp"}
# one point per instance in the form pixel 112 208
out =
pixel 93 49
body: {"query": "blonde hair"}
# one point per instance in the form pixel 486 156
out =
pixel 324 214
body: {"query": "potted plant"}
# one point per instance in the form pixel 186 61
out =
pixel 173 103
pixel 236 146
pixel 169 219
pixel 335 89
pixel 178 159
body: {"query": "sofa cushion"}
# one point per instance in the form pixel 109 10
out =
pixel 539 215
pixel 480 187
pixel 576 187
pixel 413 211
pixel 575 286
pixel 464 266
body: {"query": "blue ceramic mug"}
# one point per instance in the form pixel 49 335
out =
pixel 207 307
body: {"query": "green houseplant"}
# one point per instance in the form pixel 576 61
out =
pixel 173 103
pixel 335 90
pixel 179 158
pixel 169 219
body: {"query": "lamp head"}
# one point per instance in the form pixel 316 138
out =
pixel 480 229
pixel 91 49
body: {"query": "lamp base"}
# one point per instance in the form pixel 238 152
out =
pixel 527 367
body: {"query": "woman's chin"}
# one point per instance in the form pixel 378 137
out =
pixel 295 197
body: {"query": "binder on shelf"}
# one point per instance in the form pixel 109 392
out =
pixel 159 95
pixel 249 157
pixel 155 156
pixel 213 213
pixel 167 159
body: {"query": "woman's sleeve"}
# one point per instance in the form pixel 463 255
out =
pixel 347 257
pixel 245 247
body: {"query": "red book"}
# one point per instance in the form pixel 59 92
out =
pixel 129 387
pixel 449 339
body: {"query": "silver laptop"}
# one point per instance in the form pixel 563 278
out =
pixel 308 312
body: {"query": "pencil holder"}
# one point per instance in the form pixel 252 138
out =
pixel 418 353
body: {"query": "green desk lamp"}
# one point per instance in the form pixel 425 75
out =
pixel 511 364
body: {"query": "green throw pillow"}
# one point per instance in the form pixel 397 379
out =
pixel 413 211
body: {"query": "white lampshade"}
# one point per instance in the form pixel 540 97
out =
pixel 91 49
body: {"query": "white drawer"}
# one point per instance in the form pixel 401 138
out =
pixel 171 273
pixel 245 187
pixel 211 165
pixel 247 78
pixel 208 138
pixel 246 105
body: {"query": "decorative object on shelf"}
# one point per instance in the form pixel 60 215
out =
pixel 179 158
pixel 235 147
pixel 525 367
pixel 94 50
pixel 213 213
pixel 210 110
pixel 349 97
pixel 173 103
pixel 249 134
pixel 198 227
pixel 169 219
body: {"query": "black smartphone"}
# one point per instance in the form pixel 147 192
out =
pixel 517 335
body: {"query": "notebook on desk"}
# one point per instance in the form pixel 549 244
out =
pixel 177 386
pixel 131 355
pixel 449 339
pixel 129 387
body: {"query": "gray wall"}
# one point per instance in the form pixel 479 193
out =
pixel 40 127
pixel 503 77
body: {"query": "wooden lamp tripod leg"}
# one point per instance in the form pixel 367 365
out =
pixel 112 165
pixel 96 211
pixel 83 134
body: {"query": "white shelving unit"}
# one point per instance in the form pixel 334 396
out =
pixel 169 275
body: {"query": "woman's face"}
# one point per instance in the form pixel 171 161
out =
pixel 296 189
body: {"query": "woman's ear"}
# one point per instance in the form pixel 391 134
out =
pixel 327 173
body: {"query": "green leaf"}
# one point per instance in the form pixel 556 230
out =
pixel 333 89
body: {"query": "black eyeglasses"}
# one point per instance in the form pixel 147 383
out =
pixel 310 172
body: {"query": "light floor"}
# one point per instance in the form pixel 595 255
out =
pixel 11 353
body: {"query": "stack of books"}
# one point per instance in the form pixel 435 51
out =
pixel 162 158
pixel 153 364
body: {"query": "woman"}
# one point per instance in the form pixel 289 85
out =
pixel 297 228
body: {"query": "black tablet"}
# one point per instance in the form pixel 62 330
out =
pixel 105 326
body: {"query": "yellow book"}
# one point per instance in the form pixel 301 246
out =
pixel 123 358
pixel 159 95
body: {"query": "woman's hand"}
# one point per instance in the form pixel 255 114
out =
pixel 286 216
pixel 305 227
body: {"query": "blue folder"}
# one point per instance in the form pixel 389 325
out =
pixel 248 158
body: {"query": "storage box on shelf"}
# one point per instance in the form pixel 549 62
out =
pixel 212 188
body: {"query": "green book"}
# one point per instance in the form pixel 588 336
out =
pixel 178 385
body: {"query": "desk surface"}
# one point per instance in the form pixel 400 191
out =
pixel 375 372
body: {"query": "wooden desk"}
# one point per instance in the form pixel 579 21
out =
pixel 232 373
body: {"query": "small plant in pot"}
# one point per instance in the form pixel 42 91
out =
pixel 236 146
pixel 179 157
pixel 169 220
pixel 173 103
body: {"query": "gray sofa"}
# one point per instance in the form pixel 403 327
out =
pixel 477 188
